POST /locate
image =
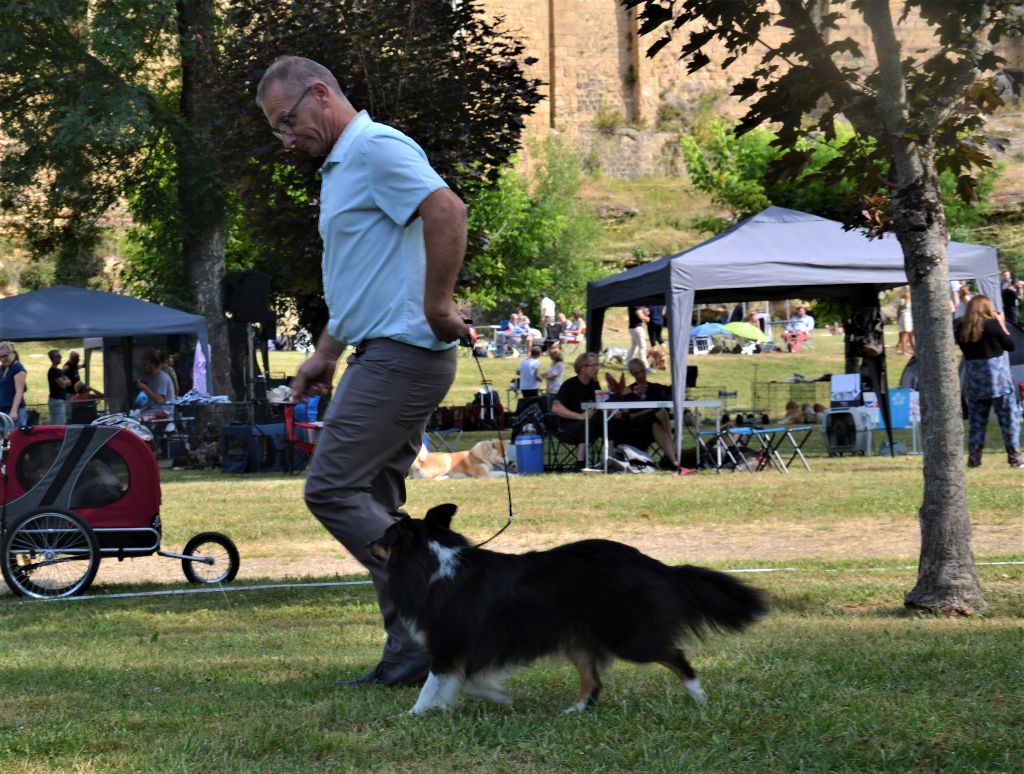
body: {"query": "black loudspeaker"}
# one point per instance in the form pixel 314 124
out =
pixel 246 295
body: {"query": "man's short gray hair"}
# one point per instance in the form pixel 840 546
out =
pixel 296 72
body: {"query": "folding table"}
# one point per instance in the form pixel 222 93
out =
pixel 770 442
pixel 607 407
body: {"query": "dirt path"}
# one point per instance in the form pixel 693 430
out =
pixel 767 541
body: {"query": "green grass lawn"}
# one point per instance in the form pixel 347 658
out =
pixel 834 680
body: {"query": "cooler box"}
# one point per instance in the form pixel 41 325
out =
pixel 530 454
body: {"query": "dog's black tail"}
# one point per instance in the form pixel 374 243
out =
pixel 717 600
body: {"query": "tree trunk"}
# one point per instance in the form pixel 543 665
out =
pixel 200 187
pixel 946 577
pixel 947 582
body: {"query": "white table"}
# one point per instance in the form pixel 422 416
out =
pixel 608 406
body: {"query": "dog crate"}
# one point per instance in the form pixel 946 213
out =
pixel 847 430
pixel 773 396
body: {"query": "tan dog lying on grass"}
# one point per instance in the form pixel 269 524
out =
pixel 478 462
pixel 657 358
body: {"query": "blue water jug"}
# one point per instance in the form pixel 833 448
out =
pixel 530 454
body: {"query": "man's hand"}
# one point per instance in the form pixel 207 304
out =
pixel 314 377
pixel 446 323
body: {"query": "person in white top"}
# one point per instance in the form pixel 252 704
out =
pixel 906 324
pixel 798 329
pixel 529 380
pixel 963 296
pixel 553 376
pixel 547 309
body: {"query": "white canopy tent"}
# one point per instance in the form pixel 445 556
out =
pixel 776 254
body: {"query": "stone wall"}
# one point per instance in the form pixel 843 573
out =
pixel 598 76
pixel 629 153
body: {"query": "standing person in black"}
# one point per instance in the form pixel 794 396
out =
pixel 59 387
pixel 655 325
pixel 1010 290
pixel 988 384
pixel 71 372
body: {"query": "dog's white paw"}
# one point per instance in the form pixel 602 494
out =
pixel 694 689
pixel 580 706
pixel 438 692
pixel 419 711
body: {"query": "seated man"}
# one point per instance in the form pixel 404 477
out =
pixel 156 384
pixel 532 334
pixel 798 329
pixel 642 427
pixel 513 335
pixel 568 405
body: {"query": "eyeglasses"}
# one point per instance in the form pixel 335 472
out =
pixel 5 355
pixel 285 124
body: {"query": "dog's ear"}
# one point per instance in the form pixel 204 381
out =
pixel 441 515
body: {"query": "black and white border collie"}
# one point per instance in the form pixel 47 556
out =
pixel 482 614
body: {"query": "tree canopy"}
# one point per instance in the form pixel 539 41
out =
pixel 533 235
pixel 812 81
pixel 735 171
pixel 150 104
pixel 80 96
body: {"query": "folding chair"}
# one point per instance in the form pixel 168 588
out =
pixel 300 440
pixel 445 428
pixel 559 449
pixel 552 335
pixel 573 339
pixel 796 441
pixel 720 450
pixel 444 440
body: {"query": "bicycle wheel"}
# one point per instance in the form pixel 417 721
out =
pixel 220 555
pixel 50 553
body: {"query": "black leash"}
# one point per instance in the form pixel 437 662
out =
pixel 470 341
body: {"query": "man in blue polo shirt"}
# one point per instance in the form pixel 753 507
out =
pixel 394 238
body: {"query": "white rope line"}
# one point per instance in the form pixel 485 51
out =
pixel 854 569
pixel 208 590
pixel 325 584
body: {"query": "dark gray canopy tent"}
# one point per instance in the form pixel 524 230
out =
pixel 63 312
pixel 776 254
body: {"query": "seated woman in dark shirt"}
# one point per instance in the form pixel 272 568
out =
pixel 642 427
pixel 983 338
